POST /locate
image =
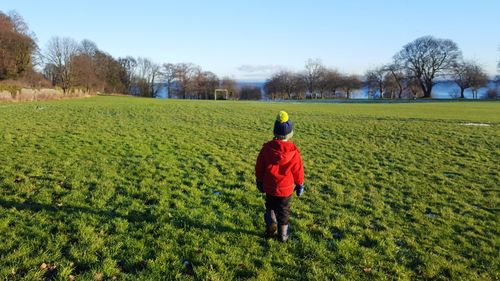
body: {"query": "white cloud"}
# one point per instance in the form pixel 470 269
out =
pixel 258 71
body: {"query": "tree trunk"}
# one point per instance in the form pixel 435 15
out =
pixel 427 88
pixel 426 91
pixel 400 88
pixel 168 90
pixel 462 90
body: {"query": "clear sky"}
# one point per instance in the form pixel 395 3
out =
pixel 250 39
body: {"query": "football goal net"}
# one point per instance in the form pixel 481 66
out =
pixel 223 92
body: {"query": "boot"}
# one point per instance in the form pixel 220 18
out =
pixel 271 224
pixel 283 232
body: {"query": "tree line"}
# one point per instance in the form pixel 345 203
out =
pixel 412 73
pixel 316 81
pixel 68 64
pixel 18 49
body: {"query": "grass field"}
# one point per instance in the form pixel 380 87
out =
pixel 125 188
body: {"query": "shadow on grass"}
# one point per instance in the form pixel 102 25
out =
pixel 133 216
pixel 180 221
pixel 184 222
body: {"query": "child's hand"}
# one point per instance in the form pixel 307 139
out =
pixel 299 189
pixel 260 186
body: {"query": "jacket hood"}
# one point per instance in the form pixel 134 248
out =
pixel 281 152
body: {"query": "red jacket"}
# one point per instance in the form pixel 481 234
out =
pixel 279 168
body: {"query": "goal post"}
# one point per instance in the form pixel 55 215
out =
pixel 221 91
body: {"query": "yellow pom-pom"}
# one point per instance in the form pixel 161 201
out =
pixel 282 117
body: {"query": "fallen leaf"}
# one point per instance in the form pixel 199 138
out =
pixel 98 276
pixel 43 266
pixel 367 269
pixel 72 277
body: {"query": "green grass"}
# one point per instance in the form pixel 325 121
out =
pixel 129 188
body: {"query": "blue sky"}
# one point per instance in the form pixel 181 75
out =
pixel 250 39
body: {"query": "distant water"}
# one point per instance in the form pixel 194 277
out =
pixel 442 90
pixel 449 89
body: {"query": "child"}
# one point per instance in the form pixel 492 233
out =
pixel 278 173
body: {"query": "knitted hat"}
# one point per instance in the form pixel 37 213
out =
pixel 283 126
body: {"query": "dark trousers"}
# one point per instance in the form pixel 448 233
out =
pixel 280 206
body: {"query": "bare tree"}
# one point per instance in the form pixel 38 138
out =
pixel 19 24
pixel 148 74
pixel 209 84
pixel 83 73
pixel 128 65
pixel 349 83
pixel 427 57
pixel 184 75
pixel 323 82
pixel 197 83
pixel 468 74
pixel 230 85
pixel 288 83
pixel 298 86
pixel 155 75
pixel 285 85
pixel 312 73
pixel 250 93
pixel 393 86
pixel 333 81
pixel 83 64
pixel 412 86
pixel 203 83
pixel 59 53
pixel 271 87
pixel 169 75
pixel 109 73
pixel 376 80
pixel 186 80
pixel 50 72
pixel 396 77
